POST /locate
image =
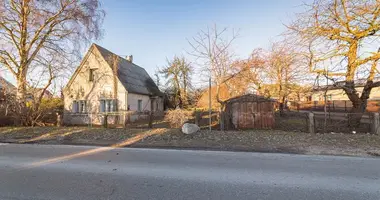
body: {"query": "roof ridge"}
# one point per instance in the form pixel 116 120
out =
pixel 130 74
pixel 134 64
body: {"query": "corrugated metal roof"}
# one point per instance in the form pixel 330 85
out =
pixel 250 98
pixel 133 77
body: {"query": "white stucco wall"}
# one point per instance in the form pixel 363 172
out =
pixel 133 102
pixel 102 87
pixel 158 103
pixel 339 94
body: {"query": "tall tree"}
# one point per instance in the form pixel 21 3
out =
pixel 177 72
pixel 231 77
pixel 283 70
pixel 212 48
pixel 44 34
pixel 340 38
pixel 186 71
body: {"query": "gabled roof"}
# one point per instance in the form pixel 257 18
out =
pixel 133 77
pixel 6 84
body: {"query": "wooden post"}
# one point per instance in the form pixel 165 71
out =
pixel 333 105
pixel 221 120
pixel 345 107
pixel 311 123
pixel 197 117
pixel 298 106
pixel 105 122
pixel 59 123
pixel 151 119
pixel 376 124
pixel 209 103
pixel 125 120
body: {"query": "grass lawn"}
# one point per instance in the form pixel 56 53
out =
pixel 252 140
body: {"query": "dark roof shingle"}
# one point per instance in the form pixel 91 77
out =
pixel 133 77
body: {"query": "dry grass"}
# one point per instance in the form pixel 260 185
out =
pixel 253 140
pixel 177 117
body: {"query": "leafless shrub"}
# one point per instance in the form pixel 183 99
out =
pixel 177 117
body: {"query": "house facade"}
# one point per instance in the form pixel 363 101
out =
pixel 337 94
pixel 7 90
pixel 105 83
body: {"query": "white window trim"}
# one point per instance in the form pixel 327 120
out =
pixel 77 106
pixel 107 105
pixel 139 107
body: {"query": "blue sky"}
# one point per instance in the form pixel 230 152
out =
pixel 153 30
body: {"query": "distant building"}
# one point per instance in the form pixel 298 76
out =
pixel 36 92
pixel 335 93
pixel 6 89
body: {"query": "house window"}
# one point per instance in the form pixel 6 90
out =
pixel 108 105
pixel 139 105
pixel 79 106
pixel 91 75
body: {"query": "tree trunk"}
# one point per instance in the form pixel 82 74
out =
pixel 21 101
pixel 180 103
pixel 356 114
pixel 359 105
pixel 21 89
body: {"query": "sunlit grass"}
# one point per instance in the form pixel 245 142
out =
pixel 53 134
pixel 6 130
pixel 124 143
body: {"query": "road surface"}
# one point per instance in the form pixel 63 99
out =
pixel 78 172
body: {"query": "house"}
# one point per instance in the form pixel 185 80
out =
pixel 36 92
pixel 105 83
pixel 6 89
pixel 334 93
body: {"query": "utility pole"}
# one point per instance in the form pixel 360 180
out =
pixel 209 102
pixel 325 106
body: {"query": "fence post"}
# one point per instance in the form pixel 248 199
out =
pixel 333 106
pixel 311 123
pixel 105 121
pixel 345 108
pixel 197 117
pixel 150 119
pixel 59 123
pixel 221 120
pixel 376 124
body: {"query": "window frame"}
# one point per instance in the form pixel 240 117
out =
pixel 109 105
pixel 139 105
pixel 79 106
pixel 91 75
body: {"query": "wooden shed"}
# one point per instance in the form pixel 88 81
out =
pixel 249 111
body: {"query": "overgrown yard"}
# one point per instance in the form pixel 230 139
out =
pixel 253 140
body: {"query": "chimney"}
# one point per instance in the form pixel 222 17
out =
pixel 129 58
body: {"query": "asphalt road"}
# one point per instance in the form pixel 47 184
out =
pixel 77 172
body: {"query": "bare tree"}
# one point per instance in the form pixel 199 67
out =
pixel 212 48
pixel 341 37
pixel 283 70
pixel 37 33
